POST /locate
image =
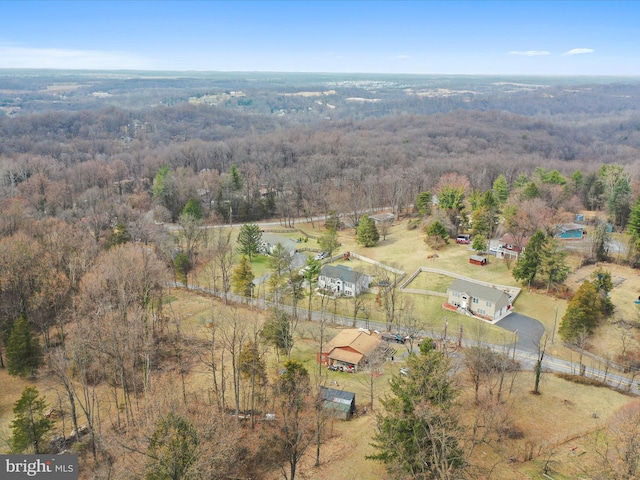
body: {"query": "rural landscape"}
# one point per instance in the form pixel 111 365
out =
pixel 264 276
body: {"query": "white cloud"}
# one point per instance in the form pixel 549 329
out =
pixel 530 53
pixel 25 57
pixel 579 51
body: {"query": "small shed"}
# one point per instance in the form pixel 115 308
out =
pixel 477 260
pixel 338 403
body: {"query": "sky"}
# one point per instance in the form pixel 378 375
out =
pixel 415 37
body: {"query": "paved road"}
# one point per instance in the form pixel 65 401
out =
pixel 529 330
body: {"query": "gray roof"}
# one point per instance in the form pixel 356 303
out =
pixel 272 239
pixel 477 290
pixel 338 396
pixel 343 273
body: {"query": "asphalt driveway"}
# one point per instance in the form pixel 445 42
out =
pixel 529 330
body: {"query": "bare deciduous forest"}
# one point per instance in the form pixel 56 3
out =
pixel 107 180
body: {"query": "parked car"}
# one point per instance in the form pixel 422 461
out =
pixel 321 255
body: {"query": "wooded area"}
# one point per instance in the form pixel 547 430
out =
pixel 107 180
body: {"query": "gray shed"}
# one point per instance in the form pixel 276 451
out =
pixel 338 403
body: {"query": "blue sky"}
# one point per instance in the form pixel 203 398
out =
pixel 424 37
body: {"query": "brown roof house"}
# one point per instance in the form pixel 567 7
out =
pixel 478 300
pixel 350 348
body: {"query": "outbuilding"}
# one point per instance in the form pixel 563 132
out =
pixel 477 260
pixel 338 403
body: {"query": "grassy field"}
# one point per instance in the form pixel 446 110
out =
pixel 558 426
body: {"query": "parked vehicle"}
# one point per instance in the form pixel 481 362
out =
pixel 466 239
pixel 392 337
pixel 321 256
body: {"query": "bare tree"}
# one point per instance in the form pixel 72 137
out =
pixel 219 268
pixel 537 369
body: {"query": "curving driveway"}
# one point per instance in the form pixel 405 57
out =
pixel 529 329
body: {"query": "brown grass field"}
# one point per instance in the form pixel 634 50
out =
pixel 558 426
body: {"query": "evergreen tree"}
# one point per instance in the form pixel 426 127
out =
pixel 236 179
pixel 593 192
pixel 479 244
pixel 419 432
pixel 583 313
pixel 619 201
pixel 242 278
pixel 521 181
pixel 553 263
pixel 333 221
pixel 159 184
pixel 423 203
pixel 367 233
pixel 24 355
pixel 182 267
pixel 437 235
pixel 30 426
pixel 173 446
pixel 577 179
pixel 633 227
pixel 118 236
pixel 528 264
pixel 530 191
pixel 601 279
pixel 193 209
pixel 501 188
pixel 250 240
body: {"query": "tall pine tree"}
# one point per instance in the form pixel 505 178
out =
pixel 24 355
pixel 29 426
pixel 249 239
pixel 529 262
pixel 367 233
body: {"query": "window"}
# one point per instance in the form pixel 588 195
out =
pixel 475 300
pixel 489 304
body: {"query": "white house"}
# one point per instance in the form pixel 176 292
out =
pixel 342 280
pixel 479 300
